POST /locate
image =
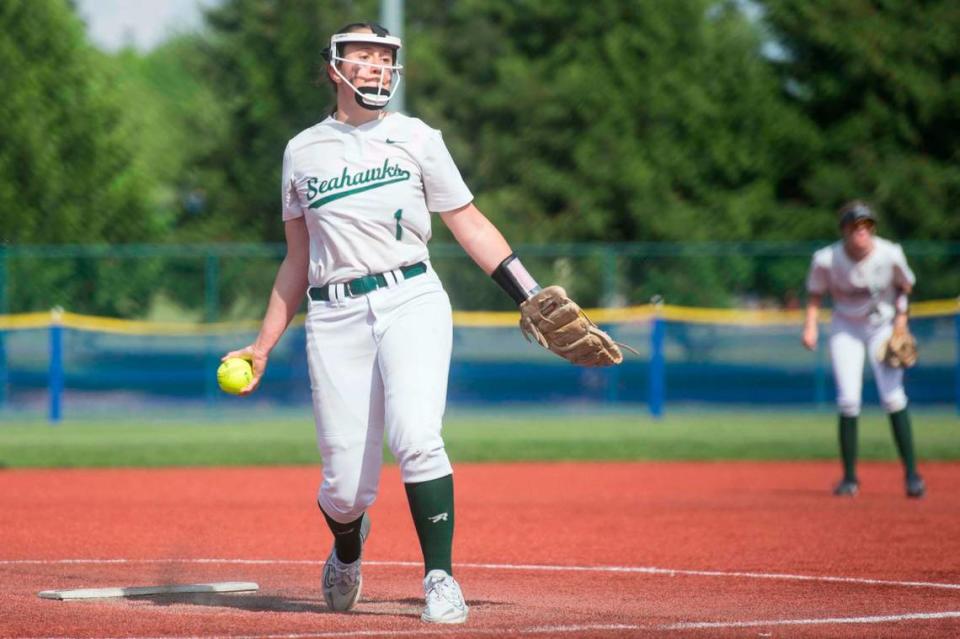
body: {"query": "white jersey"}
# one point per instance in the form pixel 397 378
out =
pixel 367 192
pixel 864 290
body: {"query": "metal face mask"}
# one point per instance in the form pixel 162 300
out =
pixel 369 97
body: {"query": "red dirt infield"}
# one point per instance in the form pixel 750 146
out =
pixel 541 550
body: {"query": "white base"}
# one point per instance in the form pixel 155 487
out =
pixel 134 591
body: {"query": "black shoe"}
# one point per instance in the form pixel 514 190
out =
pixel 847 488
pixel 916 487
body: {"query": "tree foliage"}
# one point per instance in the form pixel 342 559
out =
pixel 263 59
pixel 606 121
pixel 65 164
pixel 881 81
pixel 613 120
pixel 178 120
pixel 609 120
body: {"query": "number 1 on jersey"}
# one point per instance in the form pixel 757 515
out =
pixel 397 216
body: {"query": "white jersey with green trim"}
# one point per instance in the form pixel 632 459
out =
pixel 865 290
pixel 366 193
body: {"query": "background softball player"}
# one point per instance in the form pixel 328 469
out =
pixel 868 279
pixel 357 193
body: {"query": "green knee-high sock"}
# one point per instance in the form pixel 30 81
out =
pixel 848 446
pixel 903 436
pixel 346 538
pixel 431 504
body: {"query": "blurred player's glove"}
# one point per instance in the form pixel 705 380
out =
pixel 900 351
pixel 555 322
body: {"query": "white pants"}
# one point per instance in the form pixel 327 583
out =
pixel 852 341
pixel 379 365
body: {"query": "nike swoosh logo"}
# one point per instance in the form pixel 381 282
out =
pixel 389 141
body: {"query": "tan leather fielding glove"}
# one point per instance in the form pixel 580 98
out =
pixel 554 321
pixel 900 351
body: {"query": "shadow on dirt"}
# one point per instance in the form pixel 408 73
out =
pixel 409 606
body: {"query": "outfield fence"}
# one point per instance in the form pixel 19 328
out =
pixel 58 363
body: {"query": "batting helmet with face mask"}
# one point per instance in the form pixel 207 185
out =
pixel 368 97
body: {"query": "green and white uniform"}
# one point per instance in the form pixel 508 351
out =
pixel 378 360
pixel 863 295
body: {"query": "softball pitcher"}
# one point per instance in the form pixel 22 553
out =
pixel 869 281
pixel 357 194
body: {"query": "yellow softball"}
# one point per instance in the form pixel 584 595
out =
pixel 234 374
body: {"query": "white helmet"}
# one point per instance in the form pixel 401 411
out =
pixel 369 97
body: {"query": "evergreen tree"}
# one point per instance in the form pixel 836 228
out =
pixel 572 121
pixel 611 120
pixel 881 80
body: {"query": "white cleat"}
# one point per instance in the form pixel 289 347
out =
pixel 444 600
pixel 342 582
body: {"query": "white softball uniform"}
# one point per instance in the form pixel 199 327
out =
pixel 366 193
pixel 863 295
pixel 378 361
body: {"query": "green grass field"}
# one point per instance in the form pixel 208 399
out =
pixel 278 439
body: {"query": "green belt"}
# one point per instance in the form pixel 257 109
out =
pixel 365 284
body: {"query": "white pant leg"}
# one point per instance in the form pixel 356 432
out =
pixel 414 362
pixel 347 403
pixel 889 380
pixel 847 354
